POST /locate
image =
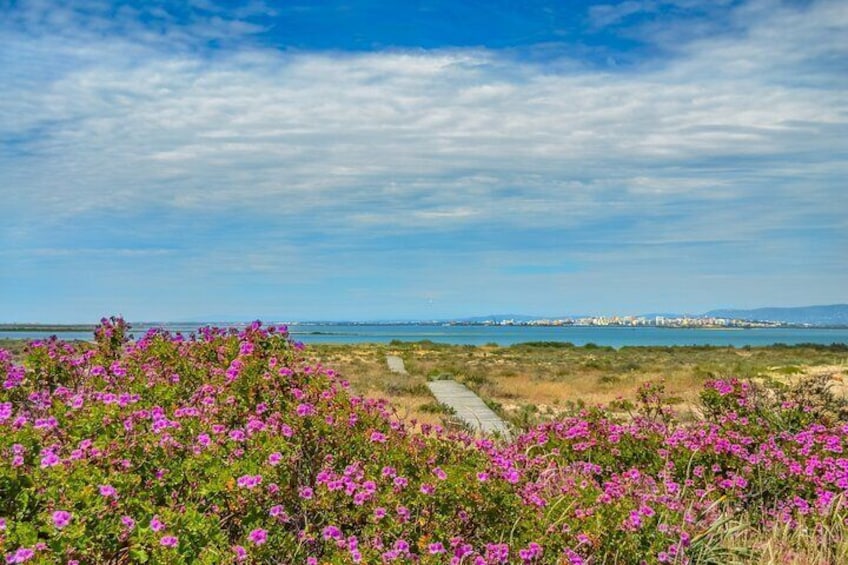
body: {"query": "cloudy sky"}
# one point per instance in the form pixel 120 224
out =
pixel 365 159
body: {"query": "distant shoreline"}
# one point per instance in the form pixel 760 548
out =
pixel 47 327
pixel 192 326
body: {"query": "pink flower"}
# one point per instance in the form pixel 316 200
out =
pixel 49 459
pixel 156 524
pixel 435 548
pixel 574 558
pixel 5 411
pixel 377 437
pixel 275 458
pixel 61 518
pixel 258 536
pixel 169 541
pixel 305 409
pixel 108 491
pixel 400 482
pixel 128 522
pixel 331 532
pixel 279 513
pixel 249 481
pixel 531 552
pixel 305 493
pixel 21 555
pixel 241 553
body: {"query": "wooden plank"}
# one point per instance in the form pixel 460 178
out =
pixel 469 407
pixel 395 364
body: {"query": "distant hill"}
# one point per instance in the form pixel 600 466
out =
pixel 831 315
pixel 652 315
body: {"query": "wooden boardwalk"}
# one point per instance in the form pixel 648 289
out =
pixel 395 364
pixel 469 408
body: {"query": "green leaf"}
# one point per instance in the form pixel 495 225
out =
pixel 139 555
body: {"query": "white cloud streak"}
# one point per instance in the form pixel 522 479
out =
pixel 399 141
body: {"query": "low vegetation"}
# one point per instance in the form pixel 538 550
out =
pixel 242 447
pixel 533 383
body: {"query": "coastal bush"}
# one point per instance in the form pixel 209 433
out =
pixel 232 447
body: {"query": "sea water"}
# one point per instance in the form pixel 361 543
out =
pixel 509 335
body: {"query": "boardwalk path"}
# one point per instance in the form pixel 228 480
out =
pixel 469 407
pixel 396 364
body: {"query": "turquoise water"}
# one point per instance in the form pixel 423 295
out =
pixel 508 335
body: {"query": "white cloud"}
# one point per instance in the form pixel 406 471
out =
pixel 603 15
pixel 406 140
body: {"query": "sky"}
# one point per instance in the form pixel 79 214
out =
pixel 365 159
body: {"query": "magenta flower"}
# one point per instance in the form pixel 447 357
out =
pixel 156 524
pixel 531 552
pixel 169 541
pixel 435 548
pixel 258 536
pixel 249 481
pixel 331 532
pixel 305 409
pixel 128 522
pixel 400 482
pixel 108 491
pixel 574 558
pixel 241 553
pixel 61 518
pixel 21 555
pixel 49 459
pixel 305 493
pixel 275 458
pixel 5 411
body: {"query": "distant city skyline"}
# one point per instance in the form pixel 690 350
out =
pixel 360 160
pixel 833 315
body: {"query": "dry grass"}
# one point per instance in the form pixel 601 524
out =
pixel 530 383
pixel 364 366
pixel 788 545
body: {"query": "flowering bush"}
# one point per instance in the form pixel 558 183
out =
pixel 234 447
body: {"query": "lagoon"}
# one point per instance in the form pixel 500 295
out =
pixel 509 335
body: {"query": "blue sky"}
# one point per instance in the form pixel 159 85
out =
pixel 372 160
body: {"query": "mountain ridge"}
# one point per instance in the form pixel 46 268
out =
pixel 818 315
